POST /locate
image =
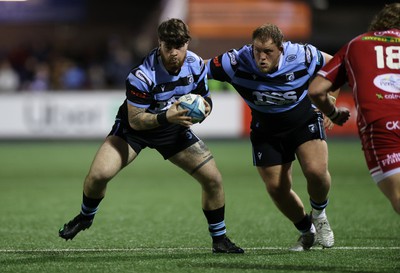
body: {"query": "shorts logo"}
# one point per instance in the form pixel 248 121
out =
pixel 259 155
pixel 189 135
pixel 391 159
pixel 312 128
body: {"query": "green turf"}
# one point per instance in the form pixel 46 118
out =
pixel 151 219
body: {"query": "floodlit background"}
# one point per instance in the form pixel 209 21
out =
pixel 63 63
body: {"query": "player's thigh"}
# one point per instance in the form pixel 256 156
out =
pixel 277 177
pixel 198 161
pixel 313 156
pixel 113 155
pixel 390 186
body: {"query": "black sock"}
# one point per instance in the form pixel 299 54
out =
pixel 216 223
pixel 304 225
pixel 89 206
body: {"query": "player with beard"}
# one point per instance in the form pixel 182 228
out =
pixel 149 117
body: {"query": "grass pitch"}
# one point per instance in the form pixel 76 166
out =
pixel 151 218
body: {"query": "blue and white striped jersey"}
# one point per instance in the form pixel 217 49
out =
pixel 149 85
pixel 277 92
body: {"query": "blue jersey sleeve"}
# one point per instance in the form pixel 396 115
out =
pixel 223 67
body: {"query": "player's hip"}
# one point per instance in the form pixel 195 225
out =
pixel 167 140
pixel 381 146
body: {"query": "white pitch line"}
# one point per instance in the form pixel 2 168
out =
pixel 170 249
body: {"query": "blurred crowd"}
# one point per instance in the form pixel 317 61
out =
pixel 46 67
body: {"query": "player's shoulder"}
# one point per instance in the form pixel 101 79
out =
pixel 242 56
pixel 298 48
pixel 193 59
pixel 243 52
pixel 194 62
pixel 301 53
pixel 144 73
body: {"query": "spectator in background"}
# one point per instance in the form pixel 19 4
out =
pixel 73 76
pixel 370 64
pixel 96 76
pixel 118 61
pixel 9 79
pixel 41 78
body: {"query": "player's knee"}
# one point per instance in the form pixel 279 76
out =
pixel 213 183
pixel 316 173
pixel 101 177
pixel 277 191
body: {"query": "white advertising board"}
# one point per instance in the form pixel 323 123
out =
pixel 87 115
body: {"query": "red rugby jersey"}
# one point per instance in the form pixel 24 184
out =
pixel 370 63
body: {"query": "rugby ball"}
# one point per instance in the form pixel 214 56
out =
pixel 195 105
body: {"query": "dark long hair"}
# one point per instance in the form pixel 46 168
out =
pixel 387 18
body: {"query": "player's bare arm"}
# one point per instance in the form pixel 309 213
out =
pixel 319 94
pixel 332 95
pixel 139 119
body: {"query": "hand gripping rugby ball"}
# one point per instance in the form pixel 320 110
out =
pixel 195 105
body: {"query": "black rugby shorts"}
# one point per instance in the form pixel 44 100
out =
pixel 167 140
pixel 269 150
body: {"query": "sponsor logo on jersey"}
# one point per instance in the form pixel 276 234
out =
pixel 291 58
pixel 139 94
pixel 393 125
pixel 216 62
pixel 388 82
pixel 392 32
pixel 141 76
pixel 274 98
pixel 190 59
pixel 386 39
pixel 232 58
pixel 391 159
pixel 308 55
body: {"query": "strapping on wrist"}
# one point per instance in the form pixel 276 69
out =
pixel 332 99
pixel 333 114
pixel 162 118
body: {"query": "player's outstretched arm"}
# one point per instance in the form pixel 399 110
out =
pixel 319 94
